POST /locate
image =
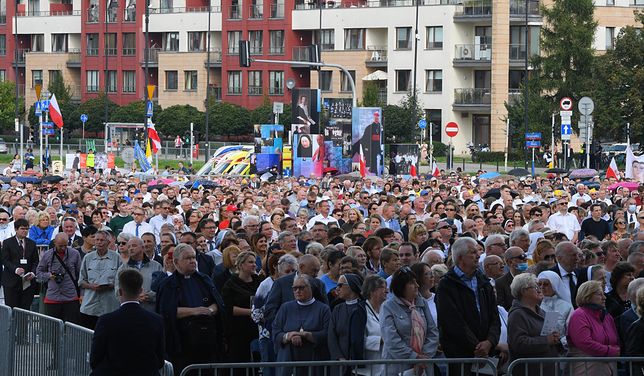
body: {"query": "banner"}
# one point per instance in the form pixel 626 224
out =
pixel 308 154
pixel 367 132
pixel 139 155
pixel 403 159
pixel 634 166
pixel 305 111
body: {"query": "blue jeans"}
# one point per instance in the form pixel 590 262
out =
pixel 267 351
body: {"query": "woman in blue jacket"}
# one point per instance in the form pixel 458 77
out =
pixel 42 232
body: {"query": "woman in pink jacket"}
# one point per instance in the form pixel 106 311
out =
pixel 592 332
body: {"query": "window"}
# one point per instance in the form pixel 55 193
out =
pixel 112 10
pixel 55 75
pixel 516 80
pixel 190 81
pixel 37 42
pixel 610 3
pixel 110 44
pixel 92 81
pixel 345 85
pixel 197 41
pixel 434 38
pixel 129 44
pixel 111 81
pixel 276 46
pixel 234 82
pixel 255 39
pixel 277 9
pixel 434 81
pixel 3 75
pixel 233 42
pixel 254 82
pixel 171 41
pixel 403 80
pixel 403 38
pixel 276 82
pixel 129 81
pixel 327 39
pixel 59 43
pixel 325 80
pixel 3 44
pixel 518 42
pixel 36 76
pixel 92 44
pixel 257 9
pixel 171 80
pixel 354 39
pixel 92 12
pixel 130 11
pixel 610 38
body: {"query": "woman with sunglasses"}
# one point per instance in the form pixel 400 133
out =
pixel 619 229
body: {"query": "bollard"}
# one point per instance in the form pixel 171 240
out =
pixel 497 165
pixel 463 164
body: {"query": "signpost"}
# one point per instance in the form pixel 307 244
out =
pixel 422 125
pixel 278 108
pixel 566 128
pixel 451 129
pixel 586 107
pixel 533 141
pixel 83 118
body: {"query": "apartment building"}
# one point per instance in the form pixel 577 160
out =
pixel 471 53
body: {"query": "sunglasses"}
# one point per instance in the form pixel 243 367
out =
pixel 620 223
pixel 72 211
pixel 520 257
pixel 122 243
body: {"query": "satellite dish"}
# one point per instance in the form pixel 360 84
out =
pixel 290 83
pixel 128 155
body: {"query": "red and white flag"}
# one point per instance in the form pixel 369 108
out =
pixel 435 171
pixel 54 112
pixel 363 163
pixel 412 170
pixel 612 171
pixel 154 138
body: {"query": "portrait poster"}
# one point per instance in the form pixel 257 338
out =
pixel 403 159
pixel 305 111
pixel 367 135
pixel 308 155
pixel 634 166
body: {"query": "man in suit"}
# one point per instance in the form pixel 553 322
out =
pixel 282 290
pixel 625 320
pixel 568 257
pixel 20 259
pixel 516 260
pixel 130 340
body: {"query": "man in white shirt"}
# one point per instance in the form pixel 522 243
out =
pixel 18 212
pixel 564 222
pixel 581 193
pixel 324 208
pixel 143 188
pixel 162 218
pixel 138 226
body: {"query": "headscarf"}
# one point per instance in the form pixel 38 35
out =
pixel 556 282
pixel 355 283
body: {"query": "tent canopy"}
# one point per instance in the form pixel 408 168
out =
pixel 376 76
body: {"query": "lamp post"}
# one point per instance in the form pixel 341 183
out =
pixel 207 86
pixel 147 64
pixel 16 58
pixel 525 84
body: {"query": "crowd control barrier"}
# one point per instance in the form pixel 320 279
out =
pixel 586 366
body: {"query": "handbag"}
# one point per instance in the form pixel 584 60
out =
pixel 198 332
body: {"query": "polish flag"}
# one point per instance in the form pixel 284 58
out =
pixel 154 137
pixel 54 112
pixel 435 171
pixel 363 163
pixel 612 171
pixel 412 170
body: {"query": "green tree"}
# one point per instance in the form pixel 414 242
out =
pixel 370 95
pixel 8 106
pixel 63 92
pixel 135 112
pixel 175 120
pixel 401 120
pixel 228 119
pixel 95 111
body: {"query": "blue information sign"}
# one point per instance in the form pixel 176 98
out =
pixel 422 124
pixel 149 109
pixel 533 144
pixel 83 118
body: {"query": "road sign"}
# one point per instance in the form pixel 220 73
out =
pixel 583 133
pixel 149 109
pixel 83 118
pixel 565 104
pixel 451 129
pixel 533 144
pixel 583 120
pixel 37 109
pixel 422 124
pixel 44 105
pixel 278 107
pixel 534 136
pixel 48 131
pixel 47 124
pixel 566 131
pixel 586 106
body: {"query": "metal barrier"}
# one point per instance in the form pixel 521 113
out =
pixel 632 366
pixel 6 340
pixel 37 344
pixel 76 349
pixel 167 369
pixel 389 367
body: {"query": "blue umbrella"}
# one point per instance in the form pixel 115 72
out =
pixel 489 175
pixel 28 179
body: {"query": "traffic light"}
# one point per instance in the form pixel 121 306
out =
pixel 244 53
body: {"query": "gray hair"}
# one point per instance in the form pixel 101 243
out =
pixel 563 247
pixel 371 283
pixel 634 287
pixel 521 282
pixel 637 246
pixel 248 219
pixel 533 223
pixel 460 248
pixel 315 246
pixel 518 233
pixel 283 235
pixel 179 249
pixel 305 278
pixel 124 237
pixel 493 239
pixel 137 240
pixel 430 252
pixel 286 260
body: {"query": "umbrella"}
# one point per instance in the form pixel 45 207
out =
pixel 156 186
pixel 583 173
pixel 5 179
pixel 489 175
pixel 28 179
pixel 631 185
pixel 176 183
pixel 53 179
pixel 556 170
pixel 353 176
pixel 203 183
pixel 519 172
pixel 496 193
pixel 591 184
pixel 161 181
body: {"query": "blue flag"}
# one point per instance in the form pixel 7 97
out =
pixel 139 154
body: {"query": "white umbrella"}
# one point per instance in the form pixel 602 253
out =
pixel 376 76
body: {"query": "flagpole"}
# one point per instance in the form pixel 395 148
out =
pixel 61 144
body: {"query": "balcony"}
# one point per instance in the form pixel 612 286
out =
pixel 277 11
pixel 256 12
pixel 214 92
pixel 472 99
pixel 371 3
pixel 472 55
pixel 474 11
pixel 213 9
pixel 518 11
pixel 20 57
pixel 74 58
pixel 376 57
pixel 152 57
pixel 235 12
pixel 514 96
pixel 111 51
pixel 47 13
pixel 254 90
pixel 215 58
pixel 91 51
pixel 301 53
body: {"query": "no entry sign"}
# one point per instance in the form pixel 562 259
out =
pixel 451 129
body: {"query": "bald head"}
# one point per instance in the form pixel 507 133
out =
pixel 135 249
pixel 60 241
pixel 310 265
pixel 493 266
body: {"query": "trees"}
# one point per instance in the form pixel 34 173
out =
pixel 401 120
pixel 175 120
pixel 8 106
pixel 95 111
pixel 229 119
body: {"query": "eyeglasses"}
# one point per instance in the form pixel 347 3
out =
pixel 620 223
pixel 299 288
pixel 139 214
pixel 563 203
pixel 536 288
pixel 450 209
pixel 72 211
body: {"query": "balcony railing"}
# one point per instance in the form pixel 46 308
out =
pixel 256 12
pixel 473 52
pixel 110 51
pixel 47 13
pixel 254 90
pixel 514 95
pixel 273 50
pixel 213 9
pixel 92 88
pixel 277 11
pixel 378 54
pixel 21 55
pixel 517 7
pixel 92 51
pixel 301 53
pixel 112 15
pixel 518 52
pixel 127 51
pixel 74 57
pixel 475 8
pixel 234 13
pixel 234 90
pixel 215 56
pixel 471 96
pixel 153 55
pixel 371 3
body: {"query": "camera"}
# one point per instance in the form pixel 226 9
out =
pixel 58 277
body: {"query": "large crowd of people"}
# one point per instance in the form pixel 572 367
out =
pixel 297 269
